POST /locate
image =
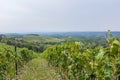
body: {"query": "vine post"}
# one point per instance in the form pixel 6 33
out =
pixel 16 66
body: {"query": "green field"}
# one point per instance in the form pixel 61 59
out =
pixel 40 39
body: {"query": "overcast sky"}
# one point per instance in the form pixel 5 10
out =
pixel 59 15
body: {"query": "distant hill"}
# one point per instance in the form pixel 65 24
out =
pixel 37 38
pixel 65 34
pixel 78 34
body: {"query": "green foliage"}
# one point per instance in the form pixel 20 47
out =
pixel 9 58
pixel 75 61
pixel 27 55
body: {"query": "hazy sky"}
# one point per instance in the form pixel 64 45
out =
pixel 59 15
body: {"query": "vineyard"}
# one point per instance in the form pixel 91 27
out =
pixel 70 60
pixel 12 59
pixel 76 61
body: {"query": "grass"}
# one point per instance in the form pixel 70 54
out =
pixel 31 38
pixel 37 69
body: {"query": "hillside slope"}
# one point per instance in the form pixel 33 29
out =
pixel 33 38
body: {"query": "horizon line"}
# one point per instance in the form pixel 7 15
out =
pixel 52 32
